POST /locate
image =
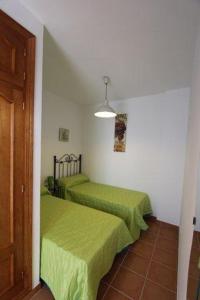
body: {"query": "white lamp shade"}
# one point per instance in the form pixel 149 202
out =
pixel 105 111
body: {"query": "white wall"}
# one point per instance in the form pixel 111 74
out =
pixel 190 187
pixel 18 12
pixel 154 159
pixel 58 112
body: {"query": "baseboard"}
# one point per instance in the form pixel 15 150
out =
pixel 153 218
pixel 33 292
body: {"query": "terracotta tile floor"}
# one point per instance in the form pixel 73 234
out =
pixel 146 270
pixel 193 271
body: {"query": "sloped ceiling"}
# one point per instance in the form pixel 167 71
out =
pixel 145 46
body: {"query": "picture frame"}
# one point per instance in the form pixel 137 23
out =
pixel 120 132
pixel 63 135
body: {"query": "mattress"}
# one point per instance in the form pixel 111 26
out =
pixel 127 204
pixel 78 246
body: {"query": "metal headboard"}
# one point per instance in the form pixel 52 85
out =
pixel 66 165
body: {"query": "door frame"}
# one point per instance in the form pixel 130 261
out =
pixel 30 41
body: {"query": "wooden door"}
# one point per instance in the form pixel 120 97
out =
pixel 15 156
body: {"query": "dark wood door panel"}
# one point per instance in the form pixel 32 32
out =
pixel 12 58
pixel 17 52
pixel 6 90
pixel 6 171
pixel 19 179
pixel 6 274
pixel 7 56
pixel 13 292
pixel 12 136
pixel 9 284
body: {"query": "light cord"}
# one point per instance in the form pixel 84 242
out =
pixel 106 93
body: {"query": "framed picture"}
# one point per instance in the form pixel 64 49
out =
pixel 63 135
pixel 120 133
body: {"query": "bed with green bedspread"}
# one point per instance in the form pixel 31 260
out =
pixel 78 246
pixel 129 205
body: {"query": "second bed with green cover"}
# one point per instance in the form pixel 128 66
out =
pixel 129 205
pixel 78 246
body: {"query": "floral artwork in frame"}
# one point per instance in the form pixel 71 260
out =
pixel 120 133
pixel 63 135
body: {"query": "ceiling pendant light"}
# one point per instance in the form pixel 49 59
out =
pixel 105 110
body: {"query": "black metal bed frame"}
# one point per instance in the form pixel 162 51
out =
pixel 66 165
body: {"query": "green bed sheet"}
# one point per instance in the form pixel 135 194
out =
pixel 129 205
pixel 78 245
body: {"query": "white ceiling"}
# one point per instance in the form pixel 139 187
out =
pixel 145 46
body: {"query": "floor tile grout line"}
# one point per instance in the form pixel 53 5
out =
pixel 117 271
pixel 122 293
pixel 139 240
pixel 168 252
pixel 154 244
pixel 108 286
pixel 134 272
pixel 143 276
pixel 121 265
pixel 141 255
pixel 162 286
pixel 148 269
pixel 169 238
pixel 165 265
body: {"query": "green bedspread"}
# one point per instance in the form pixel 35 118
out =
pixel 78 245
pixel 129 205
